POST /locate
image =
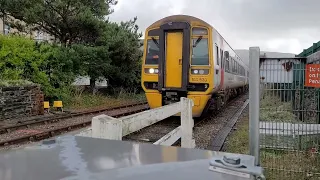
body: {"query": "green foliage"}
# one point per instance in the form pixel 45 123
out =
pixel 44 64
pixel 69 21
pixel 7 83
pixel 76 98
pixel 123 42
pixel 93 60
pixel 90 45
pixel 15 52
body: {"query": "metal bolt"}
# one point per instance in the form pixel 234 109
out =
pixel 232 160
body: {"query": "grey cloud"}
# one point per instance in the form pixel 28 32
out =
pixel 274 25
pixel 147 11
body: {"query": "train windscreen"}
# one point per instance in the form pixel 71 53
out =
pixel 200 52
pixel 152 54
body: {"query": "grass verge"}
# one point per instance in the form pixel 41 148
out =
pixel 293 165
pixel 79 100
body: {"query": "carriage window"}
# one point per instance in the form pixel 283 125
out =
pixel 221 57
pixel 217 55
pixel 238 68
pixel 232 64
pixel 227 64
pixel 152 55
pixel 200 53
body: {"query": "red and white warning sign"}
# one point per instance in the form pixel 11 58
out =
pixel 312 78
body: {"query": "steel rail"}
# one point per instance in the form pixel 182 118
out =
pixel 27 124
pixel 53 132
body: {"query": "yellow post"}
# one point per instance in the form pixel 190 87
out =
pixel 46 106
pixel 58 105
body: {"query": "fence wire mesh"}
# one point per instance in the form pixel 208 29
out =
pixel 289 120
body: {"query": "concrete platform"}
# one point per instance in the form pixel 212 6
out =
pixel 76 157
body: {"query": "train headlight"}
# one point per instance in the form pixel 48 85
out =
pixel 151 70
pixel 200 71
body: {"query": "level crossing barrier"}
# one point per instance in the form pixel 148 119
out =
pixel 107 127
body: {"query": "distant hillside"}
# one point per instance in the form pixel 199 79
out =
pixel 244 54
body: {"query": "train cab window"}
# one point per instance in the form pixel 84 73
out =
pixel 152 55
pixel 199 31
pixel 200 51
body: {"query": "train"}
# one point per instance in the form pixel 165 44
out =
pixel 184 56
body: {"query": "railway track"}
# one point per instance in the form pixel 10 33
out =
pixel 149 134
pixel 27 124
pixel 39 130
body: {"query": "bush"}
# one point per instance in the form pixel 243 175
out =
pixel 24 59
pixel 55 68
pixel 7 83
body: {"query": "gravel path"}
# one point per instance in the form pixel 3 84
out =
pixel 64 123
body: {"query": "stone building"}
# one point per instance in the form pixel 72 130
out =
pixel 36 35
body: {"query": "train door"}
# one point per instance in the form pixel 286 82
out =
pixel 217 68
pixel 173 64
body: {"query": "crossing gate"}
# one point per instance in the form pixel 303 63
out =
pixel 284 115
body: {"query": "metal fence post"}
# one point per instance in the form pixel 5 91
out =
pixel 187 140
pixel 254 88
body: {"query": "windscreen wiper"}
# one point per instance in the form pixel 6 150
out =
pixel 198 40
pixel 155 41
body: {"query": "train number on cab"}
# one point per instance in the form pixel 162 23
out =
pixel 199 79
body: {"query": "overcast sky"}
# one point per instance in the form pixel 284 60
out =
pixel 273 25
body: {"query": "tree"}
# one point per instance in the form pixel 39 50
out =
pixel 123 45
pixel 94 60
pixel 96 46
pixel 68 21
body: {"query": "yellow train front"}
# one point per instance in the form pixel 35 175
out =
pixel 178 62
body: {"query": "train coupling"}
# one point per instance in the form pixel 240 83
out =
pixel 236 166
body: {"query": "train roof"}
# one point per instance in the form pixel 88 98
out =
pixel 84 158
pixel 174 18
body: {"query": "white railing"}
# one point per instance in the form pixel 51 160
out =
pixel 107 127
pixel 288 129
